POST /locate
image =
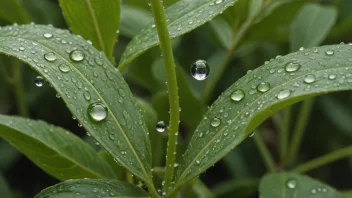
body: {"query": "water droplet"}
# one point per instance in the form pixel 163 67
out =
pixel 309 79
pixel 252 134
pixel 330 52
pixel 200 70
pixel 77 55
pixel 301 48
pixel 64 68
pixel 160 126
pixel 237 95
pixel 291 184
pixel 218 1
pixel 86 95
pixel 283 94
pixel 198 162
pixel 21 48
pixel 292 66
pixel 98 61
pixel 263 87
pixel 48 35
pixel 39 81
pixel 332 77
pixel 51 56
pixel 215 122
pixel 97 111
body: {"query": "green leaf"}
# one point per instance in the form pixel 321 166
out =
pixel 294 185
pixel 183 17
pixel 55 150
pixel 12 11
pixel 96 20
pixel 81 83
pixel 223 31
pixel 4 188
pixel 133 20
pixel 236 188
pixel 292 78
pixel 92 188
pixel 311 25
pixel 119 171
pixel 8 156
pixel 254 8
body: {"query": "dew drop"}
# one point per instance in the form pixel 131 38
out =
pixel 200 70
pixel 160 126
pixel 86 95
pixel 292 67
pixel 64 68
pixel 77 55
pixel 97 111
pixel 263 87
pixel 332 77
pixel 309 79
pixel 218 1
pixel 329 52
pixel 237 95
pixel 98 61
pixel 51 56
pixel 48 35
pixel 198 162
pixel 39 81
pixel 215 122
pixel 283 94
pixel 291 184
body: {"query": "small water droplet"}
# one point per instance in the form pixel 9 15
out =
pixel 48 35
pixel 291 184
pixel 301 48
pixel 198 162
pixel 218 1
pixel 309 79
pixel 215 122
pixel 329 52
pixel 237 95
pixel 160 126
pixel 292 66
pixel 332 77
pixel 97 111
pixel 86 95
pixel 98 61
pixel 200 70
pixel 64 68
pixel 50 56
pixel 283 94
pixel 77 55
pixel 263 87
pixel 39 81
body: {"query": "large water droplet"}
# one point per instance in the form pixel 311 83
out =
pixel 160 126
pixel 329 52
pixel 309 79
pixel 64 68
pixel 50 56
pixel 215 122
pixel 283 94
pixel 200 70
pixel 39 81
pixel 77 55
pixel 291 184
pixel 292 67
pixel 263 87
pixel 97 111
pixel 237 95
pixel 48 35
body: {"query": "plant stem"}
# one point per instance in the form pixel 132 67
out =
pixel 18 88
pixel 264 152
pixel 166 48
pixel 284 133
pixel 210 85
pixel 298 133
pixel 323 160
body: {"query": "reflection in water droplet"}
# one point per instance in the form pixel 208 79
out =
pixel 51 56
pixel 215 122
pixel 64 68
pixel 86 95
pixel 263 87
pixel 39 81
pixel 77 55
pixel 48 35
pixel 160 126
pixel 309 79
pixel 330 52
pixel 200 70
pixel 237 95
pixel 283 94
pixel 291 184
pixel 292 66
pixel 97 111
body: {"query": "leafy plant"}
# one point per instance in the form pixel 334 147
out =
pixel 80 66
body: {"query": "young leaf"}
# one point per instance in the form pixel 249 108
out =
pixel 294 185
pixel 55 150
pixel 4 188
pixel 12 11
pixel 312 25
pixel 93 90
pixel 92 188
pixel 96 20
pixel 183 17
pixel 258 95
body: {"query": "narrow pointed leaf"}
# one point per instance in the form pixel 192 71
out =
pixel 133 20
pixel 258 95
pixel 55 150
pixel 294 185
pixel 183 17
pixel 92 188
pixel 96 20
pixel 84 77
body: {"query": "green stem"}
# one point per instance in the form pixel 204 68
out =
pixel 298 133
pixel 18 88
pixel 264 152
pixel 323 160
pixel 166 48
pixel 210 85
pixel 284 133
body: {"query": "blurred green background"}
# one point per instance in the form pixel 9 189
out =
pixel 329 128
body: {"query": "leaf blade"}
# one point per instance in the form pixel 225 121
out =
pixel 55 150
pixel 13 12
pixel 212 141
pixel 133 151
